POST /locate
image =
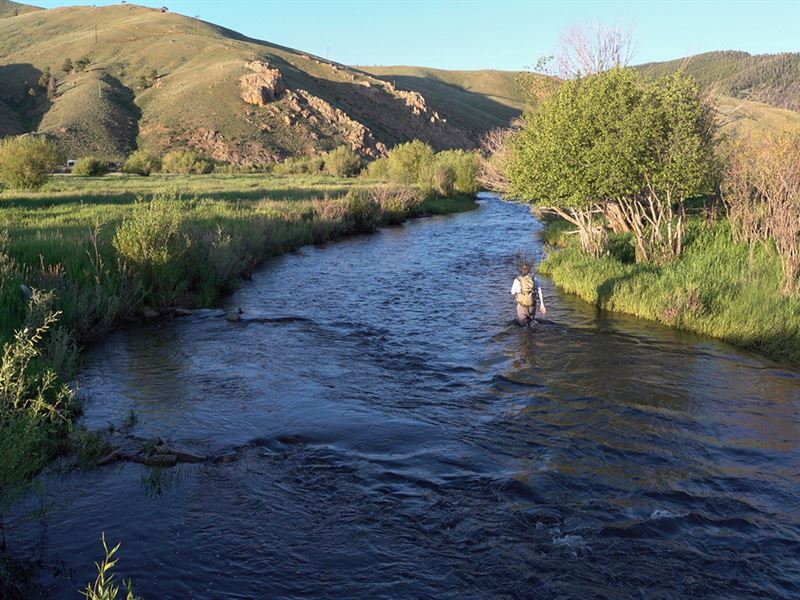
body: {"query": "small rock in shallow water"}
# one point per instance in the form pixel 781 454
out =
pixel 187 457
pixel 228 457
pixel 108 459
pixel 182 312
pixel 234 315
pixel 149 313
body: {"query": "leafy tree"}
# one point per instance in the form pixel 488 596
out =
pixel 618 145
pixel 26 161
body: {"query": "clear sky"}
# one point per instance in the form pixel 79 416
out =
pixel 500 34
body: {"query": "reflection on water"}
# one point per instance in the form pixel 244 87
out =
pixel 399 437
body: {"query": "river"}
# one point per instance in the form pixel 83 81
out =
pixel 395 435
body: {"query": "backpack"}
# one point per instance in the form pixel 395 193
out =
pixel 526 286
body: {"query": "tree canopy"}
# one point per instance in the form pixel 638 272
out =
pixel 617 138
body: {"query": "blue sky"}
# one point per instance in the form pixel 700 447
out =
pixel 501 34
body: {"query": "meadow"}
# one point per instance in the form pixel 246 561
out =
pixel 62 237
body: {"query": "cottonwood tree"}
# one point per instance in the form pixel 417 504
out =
pixel 618 146
pixel 592 49
pixel 669 141
pixel 563 159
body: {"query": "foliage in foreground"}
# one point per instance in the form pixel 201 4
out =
pixel 34 404
pixel 26 161
pixel 104 586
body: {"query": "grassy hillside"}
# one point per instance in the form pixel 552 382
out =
pixel 769 78
pixel 747 117
pixel 179 78
pixel 473 100
pixel 14 9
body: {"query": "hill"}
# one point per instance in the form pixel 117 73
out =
pixel 769 78
pixel 14 9
pixel 160 80
pixel 474 100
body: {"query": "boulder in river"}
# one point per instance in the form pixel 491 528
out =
pixel 150 313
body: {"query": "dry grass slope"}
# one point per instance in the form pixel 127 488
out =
pixel 194 98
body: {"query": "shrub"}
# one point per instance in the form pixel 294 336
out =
pixel 377 169
pixel 90 167
pixel 396 201
pixel 311 165
pixel 150 241
pixel 185 162
pixel 342 162
pixel 27 161
pixel 142 162
pixel 444 180
pixel 465 167
pixel 407 162
pixel 363 210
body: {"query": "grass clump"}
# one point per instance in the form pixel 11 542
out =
pixel 90 167
pixel 142 163
pixel 26 161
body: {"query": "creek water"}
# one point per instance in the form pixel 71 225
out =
pixel 398 436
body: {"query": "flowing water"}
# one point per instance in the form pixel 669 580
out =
pixel 396 435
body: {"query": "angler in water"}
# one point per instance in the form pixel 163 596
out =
pixel 527 290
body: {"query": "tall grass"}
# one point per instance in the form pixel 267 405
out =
pixel 719 287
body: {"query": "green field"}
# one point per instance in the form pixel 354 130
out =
pixel 717 287
pixel 228 224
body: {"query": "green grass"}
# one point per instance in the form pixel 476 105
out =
pixel 61 237
pixel 716 288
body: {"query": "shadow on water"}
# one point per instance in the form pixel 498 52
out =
pixel 390 432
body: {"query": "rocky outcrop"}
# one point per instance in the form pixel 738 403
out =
pixel 263 85
pixel 317 111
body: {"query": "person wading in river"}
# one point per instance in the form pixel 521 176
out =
pixel 526 289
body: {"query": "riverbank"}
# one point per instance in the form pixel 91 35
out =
pixel 200 237
pixel 99 252
pixel 718 287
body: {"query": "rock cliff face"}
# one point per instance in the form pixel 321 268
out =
pixel 357 135
pixel 263 85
